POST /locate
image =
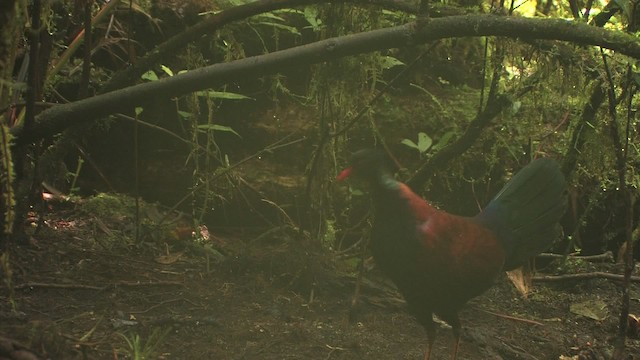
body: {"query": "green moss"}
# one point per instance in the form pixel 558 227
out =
pixel 105 205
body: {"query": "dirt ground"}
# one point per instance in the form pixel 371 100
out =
pixel 80 295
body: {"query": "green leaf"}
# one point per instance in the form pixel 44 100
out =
pixel 389 61
pixel 214 127
pixel 424 142
pixel 139 110
pixel 210 12
pixel 352 262
pixel 222 95
pixel 625 6
pixel 185 114
pixel 444 140
pixel 311 15
pixel 166 70
pixel 396 15
pixel 636 78
pixel 288 28
pixel 515 107
pixel 409 143
pixel 271 16
pixel 15 85
pixel 149 75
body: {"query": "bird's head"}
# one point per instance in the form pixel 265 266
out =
pixel 366 164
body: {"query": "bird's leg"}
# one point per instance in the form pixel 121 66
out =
pixel 431 337
pixel 455 326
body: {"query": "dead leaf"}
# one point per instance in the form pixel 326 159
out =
pixel 521 279
pixel 592 309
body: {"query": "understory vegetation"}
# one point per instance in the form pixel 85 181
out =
pixel 181 156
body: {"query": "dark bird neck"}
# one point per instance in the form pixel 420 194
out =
pixel 393 241
pixel 389 203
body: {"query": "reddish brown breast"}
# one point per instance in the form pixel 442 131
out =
pixel 458 258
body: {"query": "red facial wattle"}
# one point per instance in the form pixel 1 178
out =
pixel 344 174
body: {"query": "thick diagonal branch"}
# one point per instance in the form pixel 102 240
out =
pixel 54 120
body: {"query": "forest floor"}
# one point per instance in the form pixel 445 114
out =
pixel 78 294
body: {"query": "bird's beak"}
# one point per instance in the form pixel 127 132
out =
pixel 344 174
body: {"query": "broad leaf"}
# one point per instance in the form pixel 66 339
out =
pixel 149 75
pixel 389 61
pixel 222 95
pixel 444 140
pixel 409 143
pixel 214 127
pixel 424 142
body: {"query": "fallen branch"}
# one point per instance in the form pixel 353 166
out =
pixel 154 283
pixel 607 256
pixel 583 276
pixel 33 285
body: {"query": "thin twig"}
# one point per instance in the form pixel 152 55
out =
pixel 514 318
pixel 606 256
pixel 33 285
pixel 155 306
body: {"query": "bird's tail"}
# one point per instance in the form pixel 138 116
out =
pixel 526 212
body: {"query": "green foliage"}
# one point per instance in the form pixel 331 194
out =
pixel 572 265
pixel 104 205
pixel 149 76
pixel 239 2
pixel 549 84
pixel 137 349
pixel 388 62
pixel 7 177
pixel 424 143
pixel 224 95
pixel 206 156
pixel 311 16
pixel 75 175
pixel 275 22
pixel 166 70
pixel 215 127
pixel 329 236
